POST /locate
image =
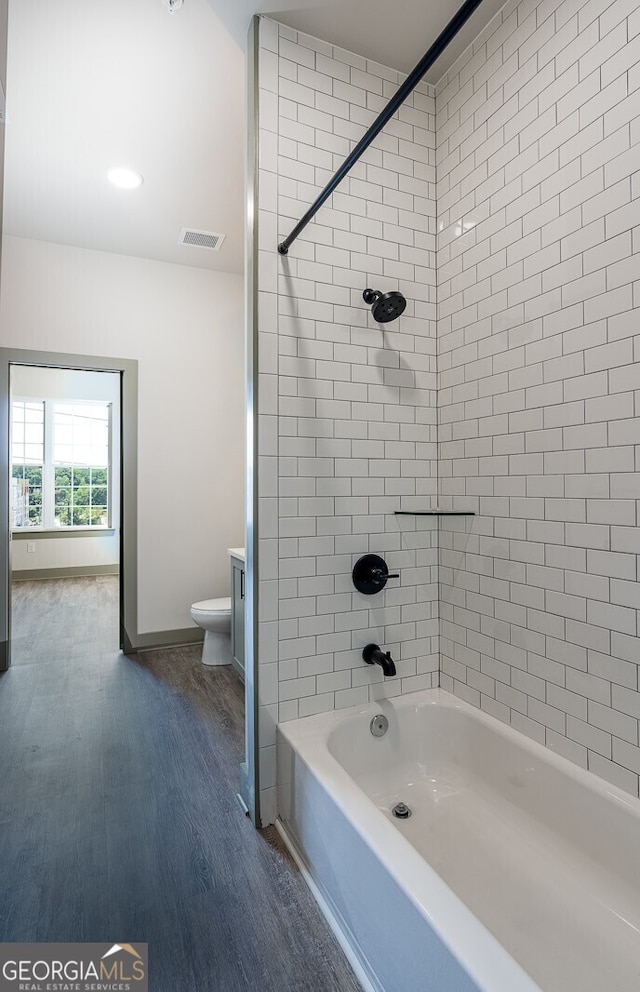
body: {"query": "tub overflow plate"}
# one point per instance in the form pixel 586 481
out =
pixel 379 725
pixel 402 811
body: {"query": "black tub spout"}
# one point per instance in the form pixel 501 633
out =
pixel 374 655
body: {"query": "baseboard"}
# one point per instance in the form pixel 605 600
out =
pixel 168 639
pixel 327 912
pixel 76 571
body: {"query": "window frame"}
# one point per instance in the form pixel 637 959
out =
pixel 49 468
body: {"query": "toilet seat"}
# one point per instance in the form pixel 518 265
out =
pixel 211 608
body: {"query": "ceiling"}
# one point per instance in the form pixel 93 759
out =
pixel 94 84
pixel 396 33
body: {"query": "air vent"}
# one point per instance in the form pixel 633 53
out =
pixel 200 239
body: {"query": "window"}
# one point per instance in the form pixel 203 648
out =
pixel 81 465
pixel 61 455
pixel 27 455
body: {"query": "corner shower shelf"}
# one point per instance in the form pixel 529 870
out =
pixel 435 513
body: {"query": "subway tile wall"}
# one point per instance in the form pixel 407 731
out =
pixel 538 193
pixel 347 410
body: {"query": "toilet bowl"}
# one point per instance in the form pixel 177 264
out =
pixel 214 616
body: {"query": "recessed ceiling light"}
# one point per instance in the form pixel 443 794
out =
pixel 125 178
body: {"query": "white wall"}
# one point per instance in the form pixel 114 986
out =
pixel 347 407
pixel 185 328
pixel 4 19
pixel 69 550
pixel 538 128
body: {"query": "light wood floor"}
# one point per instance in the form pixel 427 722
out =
pixel 118 815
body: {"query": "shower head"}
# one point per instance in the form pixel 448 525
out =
pixel 384 306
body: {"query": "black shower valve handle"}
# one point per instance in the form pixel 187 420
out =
pixel 370 574
pixel 379 573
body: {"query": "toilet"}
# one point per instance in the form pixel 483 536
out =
pixel 214 616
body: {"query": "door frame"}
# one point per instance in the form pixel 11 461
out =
pixel 250 767
pixel 128 579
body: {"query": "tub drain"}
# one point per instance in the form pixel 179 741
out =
pixel 379 725
pixel 402 811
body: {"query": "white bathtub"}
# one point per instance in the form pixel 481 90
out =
pixel 517 871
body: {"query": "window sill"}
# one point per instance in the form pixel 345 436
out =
pixel 32 534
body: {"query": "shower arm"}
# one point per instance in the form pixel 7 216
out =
pixel 396 101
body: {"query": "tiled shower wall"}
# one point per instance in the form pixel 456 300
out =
pixel 347 411
pixel 538 133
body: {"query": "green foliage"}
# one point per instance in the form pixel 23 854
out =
pixel 81 477
pixel 32 474
pixel 63 476
pixel 63 516
pixel 30 493
pixel 81 496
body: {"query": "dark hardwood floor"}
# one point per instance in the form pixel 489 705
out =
pixel 118 812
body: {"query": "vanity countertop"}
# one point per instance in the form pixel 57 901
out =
pixel 237 553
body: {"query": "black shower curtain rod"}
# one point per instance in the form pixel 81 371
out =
pixel 410 83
